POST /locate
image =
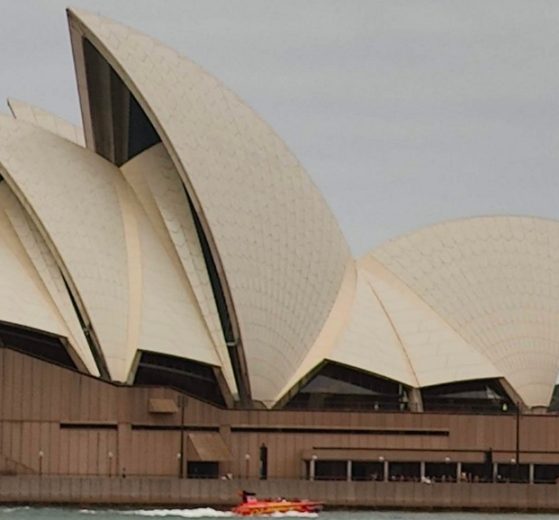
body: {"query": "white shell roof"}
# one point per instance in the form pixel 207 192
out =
pixel 170 234
pixel 370 340
pixel 133 293
pixel 159 189
pixel 469 299
pixel 437 354
pixel 44 267
pixel 69 193
pixel 281 250
pixel 381 326
pixel 43 119
pixel 25 299
pixel 495 281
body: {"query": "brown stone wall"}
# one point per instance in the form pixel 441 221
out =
pixel 151 491
pixel 55 421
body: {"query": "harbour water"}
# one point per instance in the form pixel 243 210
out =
pixel 52 513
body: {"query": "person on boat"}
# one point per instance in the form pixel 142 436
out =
pixel 248 496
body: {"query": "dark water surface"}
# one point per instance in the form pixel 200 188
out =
pixel 52 513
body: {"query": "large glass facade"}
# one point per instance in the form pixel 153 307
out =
pixel 482 395
pixel 121 128
pixel 337 387
pixel 193 378
pixel 35 343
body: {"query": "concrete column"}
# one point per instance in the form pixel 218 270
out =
pixel 421 470
pixel 531 473
pixel 312 467
pixel 458 471
pixel 495 471
pixel 385 471
pixel 415 401
pixel 348 471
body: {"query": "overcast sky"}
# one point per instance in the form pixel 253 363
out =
pixel 404 113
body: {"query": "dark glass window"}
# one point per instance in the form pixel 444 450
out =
pixel 404 471
pixel 483 395
pixel 512 473
pixel 477 472
pixel 263 467
pixel 367 470
pixel 121 128
pixel 89 334
pixel 35 343
pixel 193 378
pixel 554 405
pixel 234 348
pixel 202 469
pixel 336 387
pixel 546 473
pixel 217 288
pixel 330 470
pixel 441 471
pixel 141 133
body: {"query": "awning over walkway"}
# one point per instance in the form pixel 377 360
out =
pixel 157 405
pixel 204 446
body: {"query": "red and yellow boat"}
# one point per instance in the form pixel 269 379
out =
pixel 252 506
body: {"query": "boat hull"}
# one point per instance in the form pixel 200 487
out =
pixel 265 507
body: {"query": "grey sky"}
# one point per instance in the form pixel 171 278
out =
pixel 404 113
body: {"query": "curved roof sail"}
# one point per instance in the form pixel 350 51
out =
pixel 129 292
pixel 279 253
pixel 43 119
pixel 494 281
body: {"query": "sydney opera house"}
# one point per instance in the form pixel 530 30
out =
pixel 178 300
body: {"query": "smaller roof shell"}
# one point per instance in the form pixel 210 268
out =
pixel 495 281
pixel 134 295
